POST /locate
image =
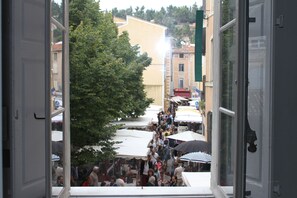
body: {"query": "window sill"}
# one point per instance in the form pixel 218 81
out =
pixel 139 192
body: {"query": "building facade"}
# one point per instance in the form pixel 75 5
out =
pixel 208 83
pixel 150 37
pixel 183 70
pixel 180 73
pixel 57 57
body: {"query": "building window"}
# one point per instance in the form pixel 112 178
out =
pixel 181 55
pixel 55 56
pixel 181 83
pixel 181 67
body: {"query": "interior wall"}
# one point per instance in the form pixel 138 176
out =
pixel 284 99
pixel 5 96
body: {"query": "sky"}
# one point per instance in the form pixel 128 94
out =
pixel 148 4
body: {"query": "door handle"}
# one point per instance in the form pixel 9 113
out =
pixel 38 117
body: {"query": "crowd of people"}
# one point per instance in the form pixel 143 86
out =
pixel 160 167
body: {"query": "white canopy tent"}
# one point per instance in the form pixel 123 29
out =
pixel 196 179
pixel 187 136
pixel 141 122
pixel 57 136
pixel 133 143
pixel 58 118
pixel 178 99
pixel 188 114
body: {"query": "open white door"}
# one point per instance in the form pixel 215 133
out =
pixel 259 66
pixel 29 116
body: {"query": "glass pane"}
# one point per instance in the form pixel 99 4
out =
pixel 57 70
pixel 58 10
pixel 228 11
pixel 228 54
pixel 57 150
pixel 226 150
pixel 57 105
pixel 258 97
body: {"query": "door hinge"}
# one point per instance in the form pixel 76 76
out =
pixel 277 188
pixel 280 21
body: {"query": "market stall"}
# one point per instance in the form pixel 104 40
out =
pixel 131 143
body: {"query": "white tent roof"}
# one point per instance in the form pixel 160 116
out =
pixel 178 99
pixel 187 136
pixel 58 118
pixel 196 179
pixel 142 122
pixel 57 136
pixel 187 114
pixel 133 143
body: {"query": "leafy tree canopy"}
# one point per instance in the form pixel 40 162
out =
pixel 106 80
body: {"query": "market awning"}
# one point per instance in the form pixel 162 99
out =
pixel 57 136
pixel 178 99
pixel 133 143
pixel 188 114
pixel 196 179
pixel 141 122
pixel 187 136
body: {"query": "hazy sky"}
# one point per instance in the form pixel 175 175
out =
pixel 148 4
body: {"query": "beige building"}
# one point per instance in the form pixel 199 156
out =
pixel 183 70
pixel 180 73
pixel 150 38
pixel 208 90
pixel 57 66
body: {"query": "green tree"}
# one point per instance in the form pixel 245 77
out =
pixel 149 15
pixel 139 12
pixel 192 15
pixel 57 13
pixel 106 81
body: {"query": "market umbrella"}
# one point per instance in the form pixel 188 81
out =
pixel 55 158
pixel 193 146
pixel 199 157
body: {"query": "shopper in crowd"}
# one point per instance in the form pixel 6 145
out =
pixel 93 177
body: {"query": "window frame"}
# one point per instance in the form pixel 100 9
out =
pixel 241 22
pixel 64 192
pixel 181 67
pixel 1 107
pixel 181 82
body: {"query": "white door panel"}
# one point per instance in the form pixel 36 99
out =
pixel 28 104
pixel 258 163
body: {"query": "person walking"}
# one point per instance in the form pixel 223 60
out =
pixel 93 177
pixel 145 165
pixel 178 173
